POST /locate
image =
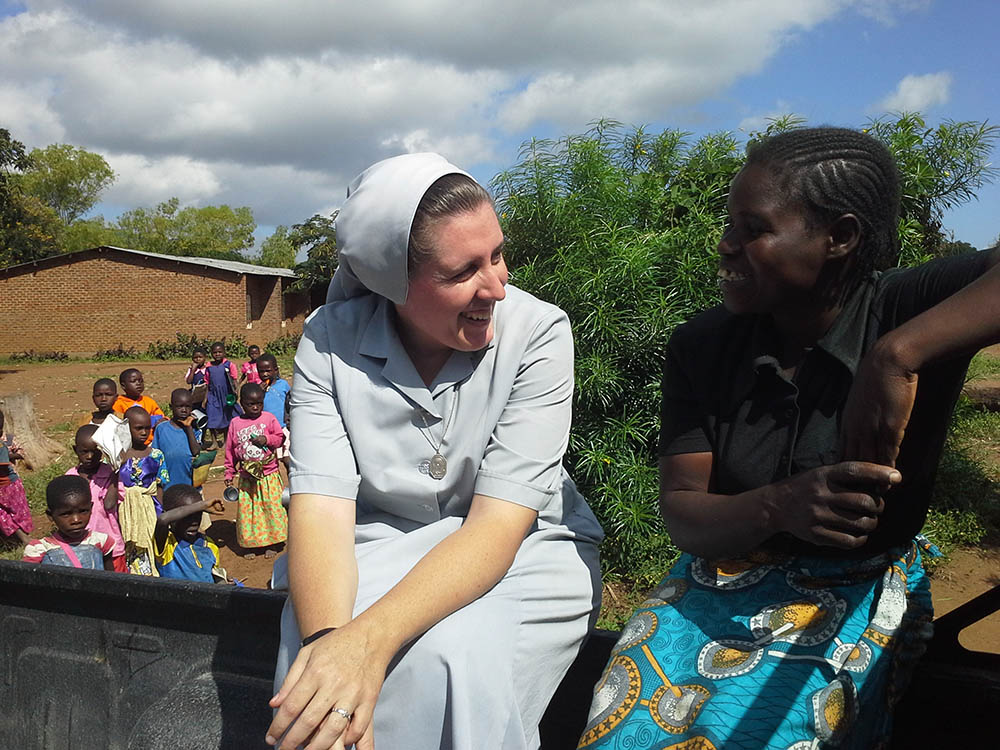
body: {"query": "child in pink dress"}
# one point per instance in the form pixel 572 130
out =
pixel 104 497
pixel 15 516
pixel 250 445
pixel 248 372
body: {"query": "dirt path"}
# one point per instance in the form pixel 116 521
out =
pixel 62 395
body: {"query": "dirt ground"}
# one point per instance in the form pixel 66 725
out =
pixel 61 394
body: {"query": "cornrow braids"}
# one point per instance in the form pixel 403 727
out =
pixel 835 171
pixel 451 195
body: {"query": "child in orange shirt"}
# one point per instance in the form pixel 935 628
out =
pixel 132 383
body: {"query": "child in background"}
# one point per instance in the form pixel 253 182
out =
pixel 102 481
pixel 177 438
pixel 250 443
pixel 15 516
pixel 105 394
pixel 196 372
pixel 221 379
pixel 182 551
pixel 73 544
pixel 196 376
pixel 276 390
pixel 248 371
pixel 133 384
pixel 143 471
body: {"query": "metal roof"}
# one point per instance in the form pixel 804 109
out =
pixel 225 265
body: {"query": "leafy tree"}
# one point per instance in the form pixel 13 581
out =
pixel 83 234
pixel 318 237
pixel 210 232
pixel 67 178
pixel 954 247
pixel 28 227
pixel 940 168
pixel 149 229
pixel 277 251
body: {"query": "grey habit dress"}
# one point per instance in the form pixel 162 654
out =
pixel 361 416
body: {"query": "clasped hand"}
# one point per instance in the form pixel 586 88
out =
pixel 837 505
pixel 338 671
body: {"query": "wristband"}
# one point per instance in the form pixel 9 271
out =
pixel 314 637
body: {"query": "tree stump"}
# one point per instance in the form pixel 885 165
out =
pixel 20 421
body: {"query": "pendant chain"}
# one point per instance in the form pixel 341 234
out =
pixel 451 414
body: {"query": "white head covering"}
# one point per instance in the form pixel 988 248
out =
pixel 373 227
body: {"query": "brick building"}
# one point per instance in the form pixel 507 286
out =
pixel 95 299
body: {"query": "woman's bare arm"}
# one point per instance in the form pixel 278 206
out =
pixel 322 569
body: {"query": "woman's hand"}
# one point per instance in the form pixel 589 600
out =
pixel 343 669
pixel 835 506
pixel 877 410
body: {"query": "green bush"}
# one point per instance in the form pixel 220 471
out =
pixel 184 344
pixel 119 353
pixel 32 356
pixel 283 345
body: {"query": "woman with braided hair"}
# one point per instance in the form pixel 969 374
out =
pixel 801 428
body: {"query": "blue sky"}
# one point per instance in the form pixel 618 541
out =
pixel 277 105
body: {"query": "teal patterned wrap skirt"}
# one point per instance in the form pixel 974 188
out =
pixel 769 651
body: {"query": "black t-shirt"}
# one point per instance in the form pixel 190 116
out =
pixel 724 393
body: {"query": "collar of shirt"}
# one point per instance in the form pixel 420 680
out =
pixel 841 342
pixel 380 340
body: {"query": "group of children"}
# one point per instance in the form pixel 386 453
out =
pixel 130 503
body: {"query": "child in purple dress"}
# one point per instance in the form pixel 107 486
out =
pixel 220 404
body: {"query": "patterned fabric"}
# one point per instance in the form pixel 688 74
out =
pixel 137 515
pixel 241 452
pixel 765 652
pixel 14 511
pixel 145 471
pixel 260 517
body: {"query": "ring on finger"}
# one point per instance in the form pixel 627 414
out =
pixel 341 712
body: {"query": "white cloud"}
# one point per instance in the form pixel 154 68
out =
pixel 27 115
pixel 918 93
pixel 278 105
pixel 885 12
pixel 141 180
